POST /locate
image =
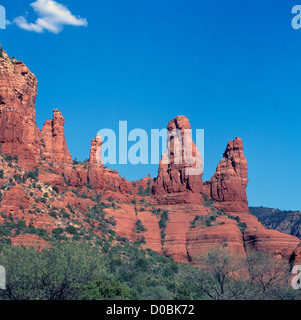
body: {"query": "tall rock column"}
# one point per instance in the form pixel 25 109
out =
pixel 228 184
pixel 53 142
pixel 95 168
pixel 95 151
pixel 181 168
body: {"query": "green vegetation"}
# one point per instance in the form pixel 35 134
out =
pixel 33 175
pixel 145 192
pixel 208 202
pixel 20 227
pixel 76 270
pixel 210 219
pixel 55 189
pixel 284 221
pixel 163 223
pixel 140 227
pixel 259 276
pixel 9 158
pixel 77 162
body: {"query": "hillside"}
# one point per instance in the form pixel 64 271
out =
pixel 288 222
pixel 46 196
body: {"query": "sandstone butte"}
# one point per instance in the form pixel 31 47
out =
pixel 200 214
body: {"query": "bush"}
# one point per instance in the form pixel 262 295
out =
pixel 140 227
pixel 140 191
pixel 55 189
pixel 57 231
pixel 54 274
pixel 71 230
pixel 242 226
pixel 18 178
pixel 208 222
pixel 106 289
pixel 33 174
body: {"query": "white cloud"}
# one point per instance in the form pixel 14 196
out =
pixel 52 16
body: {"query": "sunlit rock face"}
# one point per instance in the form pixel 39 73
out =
pixel 181 167
pixel 229 183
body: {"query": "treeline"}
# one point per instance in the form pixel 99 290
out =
pixel 80 271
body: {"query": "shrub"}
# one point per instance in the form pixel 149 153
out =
pixel 76 237
pixel 140 227
pixel 33 174
pixel 71 230
pixel 57 231
pixel 47 275
pixel 18 178
pixel 55 189
pixel 242 226
pixel 208 222
pixel 140 191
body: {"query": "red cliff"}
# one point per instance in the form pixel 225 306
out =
pixel 228 184
pixel 53 143
pixel 181 167
pixel 19 134
pixel 200 215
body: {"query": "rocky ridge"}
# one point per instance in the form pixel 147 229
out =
pixel 45 195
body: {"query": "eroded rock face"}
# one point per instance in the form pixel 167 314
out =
pixel 178 188
pixel 95 151
pixel 30 240
pixel 271 241
pixel 228 184
pixel 181 167
pixel 95 169
pixel 18 129
pixel 53 143
pixel 19 134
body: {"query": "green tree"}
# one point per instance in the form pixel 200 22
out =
pixel 57 273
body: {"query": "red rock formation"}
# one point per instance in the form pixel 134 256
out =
pixel 228 184
pixel 95 151
pixel 53 143
pixel 199 241
pixel 76 176
pixel 30 240
pixel 14 201
pixel 18 129
pixel 178 187
pixel 271 241
pixel 95 169
pixel 103 178
pixel 178 225
pixel 19 134
pixel 180 172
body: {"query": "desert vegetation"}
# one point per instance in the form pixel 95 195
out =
pixel 75 270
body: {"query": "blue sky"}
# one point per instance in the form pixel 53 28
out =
pixel 232 67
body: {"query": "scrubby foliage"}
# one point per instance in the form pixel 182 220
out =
pixel 74 270
pixel 284 221
pixel 81 271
